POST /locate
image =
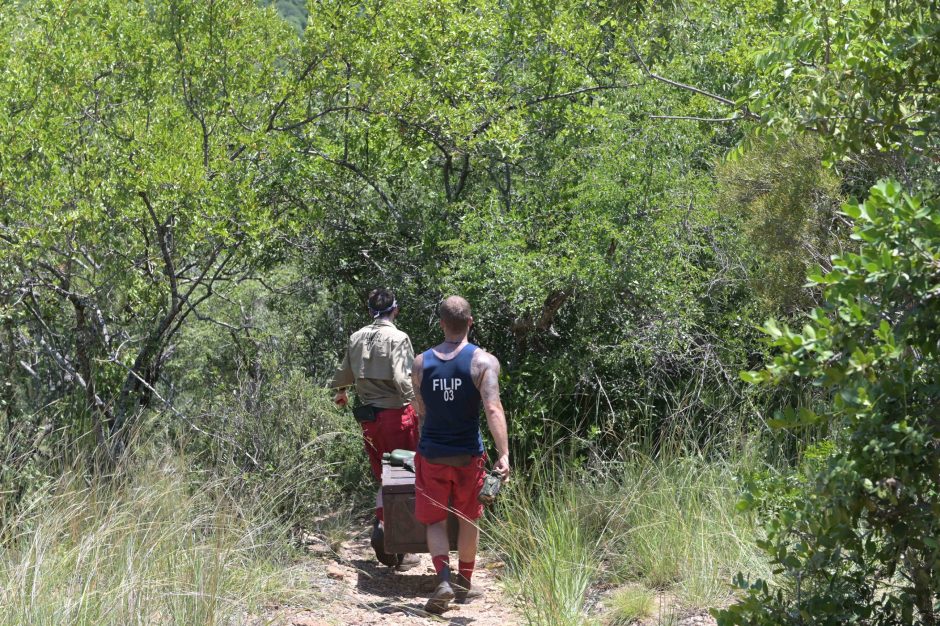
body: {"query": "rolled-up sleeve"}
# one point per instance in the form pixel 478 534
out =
pixel 344 374
pixel 403 358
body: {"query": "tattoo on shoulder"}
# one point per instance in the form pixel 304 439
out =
pixel 484 368
pixel 489 387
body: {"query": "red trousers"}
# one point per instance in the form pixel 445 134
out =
pixel 392 429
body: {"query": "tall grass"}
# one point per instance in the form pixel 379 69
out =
pixel 553 556
pixel 672 524
pixel 156 549
pixel 667 524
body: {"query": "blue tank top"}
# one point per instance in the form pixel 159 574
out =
pixel 451 406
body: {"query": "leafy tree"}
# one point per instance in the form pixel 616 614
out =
pixel 862 74
pixel 136 182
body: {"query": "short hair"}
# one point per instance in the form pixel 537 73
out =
pixel 455 313
pixel 381 301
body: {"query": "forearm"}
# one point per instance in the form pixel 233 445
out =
pixel 342 382
pixel 419 411
pixel 488 384
pixel 418 403
pixel 404 386
pixel 402 368
pixel 496 422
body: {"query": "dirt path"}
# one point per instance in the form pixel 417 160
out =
pixel 358 590
pixel 353 589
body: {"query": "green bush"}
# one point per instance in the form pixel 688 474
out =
pixel 861 546
pixel 788 204
pixel 630 604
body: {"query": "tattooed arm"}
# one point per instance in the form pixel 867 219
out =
pixel 417 369
pixel 485 371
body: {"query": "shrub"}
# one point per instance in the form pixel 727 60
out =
pixel 861 546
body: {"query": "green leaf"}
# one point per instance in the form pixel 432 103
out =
pixel 770 327
pixel 852 209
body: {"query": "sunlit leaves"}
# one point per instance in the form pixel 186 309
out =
pixel 136 176
pixel 857 72
pixel 874 347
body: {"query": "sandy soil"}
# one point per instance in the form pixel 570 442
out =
pixel 359 590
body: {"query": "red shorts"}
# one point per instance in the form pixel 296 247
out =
pixel 439 486
pixel 392 429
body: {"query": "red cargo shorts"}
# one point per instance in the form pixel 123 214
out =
pixel 439 486
pixel 392 429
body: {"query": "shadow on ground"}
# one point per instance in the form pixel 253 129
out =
pixel 401 592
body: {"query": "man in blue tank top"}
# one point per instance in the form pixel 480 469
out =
pixel 453 380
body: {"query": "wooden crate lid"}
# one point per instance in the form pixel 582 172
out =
pixel 397 479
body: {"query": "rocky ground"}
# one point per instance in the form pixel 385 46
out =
pixel 356 589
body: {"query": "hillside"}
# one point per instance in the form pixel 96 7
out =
pixel 294 11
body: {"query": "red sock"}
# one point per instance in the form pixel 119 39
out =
pixel 442 566
pixel 465 568
pixel 380 514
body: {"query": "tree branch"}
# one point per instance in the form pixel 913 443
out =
pixel 280 105
pixel 169 268
pixel 352 167
pixel 674 83
pixel 555 96
pixel 694 118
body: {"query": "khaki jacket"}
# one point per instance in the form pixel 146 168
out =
pixel 378 361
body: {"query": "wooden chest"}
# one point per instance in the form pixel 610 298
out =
pixel 403 533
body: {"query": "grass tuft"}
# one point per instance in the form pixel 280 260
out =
pixel 668 524
pixel 551 555
pixel 675 527
pixel 629 604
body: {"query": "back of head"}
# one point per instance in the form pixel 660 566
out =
pixel 381 302
pixel 455 313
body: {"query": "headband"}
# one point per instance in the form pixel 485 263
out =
pixel 375 313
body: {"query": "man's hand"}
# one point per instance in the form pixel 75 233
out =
pixel 341 399
pixel 502 467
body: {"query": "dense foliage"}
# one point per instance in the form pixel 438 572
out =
pixel 857 543
pixel 195 198
pixel 863 74
pixel 861 547
pixel 137 182
pixel 525 172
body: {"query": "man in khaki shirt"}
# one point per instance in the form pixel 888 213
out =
pixel 378 362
